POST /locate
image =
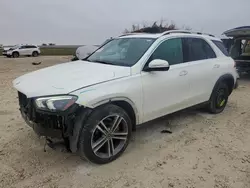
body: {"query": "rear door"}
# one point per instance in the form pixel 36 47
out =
pixel 202 68
pixel 30 49
pixel 23 50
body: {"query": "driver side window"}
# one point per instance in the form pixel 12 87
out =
pixel 169 50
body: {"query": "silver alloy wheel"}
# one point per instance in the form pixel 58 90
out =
pixel 109 136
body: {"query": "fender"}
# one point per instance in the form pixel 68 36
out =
pixel 120 99
pixel 81 117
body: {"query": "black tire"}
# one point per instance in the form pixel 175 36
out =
pixel 219 98
pixel 35 54
pixel 90 131
pixel 15 54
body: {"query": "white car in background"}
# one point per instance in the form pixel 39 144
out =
pixel 22 50
pixel 95 103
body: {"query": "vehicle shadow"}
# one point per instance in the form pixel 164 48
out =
pixel 168 125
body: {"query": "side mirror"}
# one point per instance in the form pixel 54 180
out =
pixel 157 65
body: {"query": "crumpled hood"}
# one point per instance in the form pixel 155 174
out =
pixel 67 77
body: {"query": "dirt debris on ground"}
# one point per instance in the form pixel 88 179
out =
pixel 203 150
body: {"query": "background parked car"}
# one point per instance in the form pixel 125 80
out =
pixel 22 50
pixel 240 48
pixel 228 42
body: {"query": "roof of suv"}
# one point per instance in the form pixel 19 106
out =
pixel 171 32
pixel 26 45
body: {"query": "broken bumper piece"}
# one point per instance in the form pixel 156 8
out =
pixel 48 124
pixel 40 129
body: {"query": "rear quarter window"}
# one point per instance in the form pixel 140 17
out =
pixel 196 49
pixel 221 46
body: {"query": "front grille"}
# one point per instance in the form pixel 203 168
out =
pixel 45 123
pixel 28 109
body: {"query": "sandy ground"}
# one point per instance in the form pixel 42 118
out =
pixel 204 150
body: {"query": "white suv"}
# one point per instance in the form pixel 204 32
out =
pixel 22 50
pixel 95 103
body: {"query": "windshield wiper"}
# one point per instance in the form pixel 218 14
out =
pixel 84 59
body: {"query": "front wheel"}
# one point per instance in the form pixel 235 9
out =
pixel 15 54
pixel 219 98
pixel 105 135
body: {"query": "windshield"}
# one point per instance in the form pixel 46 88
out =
pixel 122 51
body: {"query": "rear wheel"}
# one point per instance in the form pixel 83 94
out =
pixel 105 134
pixel 35 54
pixel 15 54
pixel 219 98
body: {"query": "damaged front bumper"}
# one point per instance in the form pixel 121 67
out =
pixel 40 129
pixel 58 125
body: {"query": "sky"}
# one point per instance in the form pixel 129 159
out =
pixel 93 21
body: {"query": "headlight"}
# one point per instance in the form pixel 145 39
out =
pixel 56 103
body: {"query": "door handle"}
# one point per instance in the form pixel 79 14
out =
pixel 183 73
pixel 216 66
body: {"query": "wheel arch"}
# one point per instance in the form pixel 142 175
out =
pixel 35 51
pixel 15 52
pixel 228 79
pixel 83 113
pixel 124 103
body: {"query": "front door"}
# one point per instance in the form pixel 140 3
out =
pixel 165 92
pixel 23 50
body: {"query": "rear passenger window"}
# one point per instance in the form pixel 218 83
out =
pixel 197 49
pixel 30 47
pixel 169 50
pixel 221 46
